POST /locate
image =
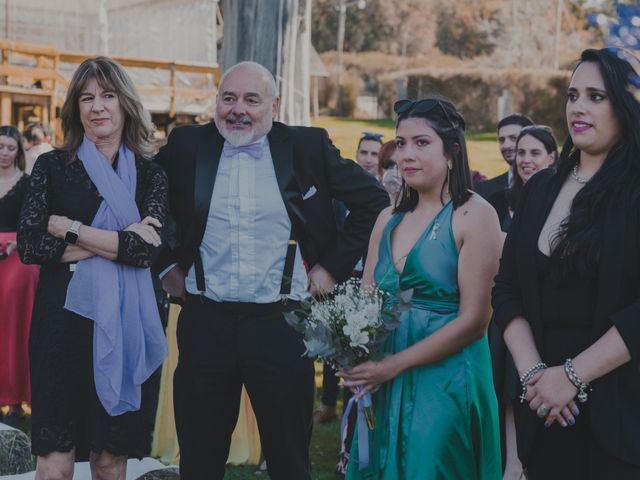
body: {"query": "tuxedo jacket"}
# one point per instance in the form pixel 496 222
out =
pixel 489 187
pixel 615 400
pixel 310 174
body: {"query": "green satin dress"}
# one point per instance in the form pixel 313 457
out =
pixel 438 421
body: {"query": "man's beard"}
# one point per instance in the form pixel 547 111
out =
pixel 239 138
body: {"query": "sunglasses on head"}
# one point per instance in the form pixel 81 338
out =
pixel 371 136
pixel 423 106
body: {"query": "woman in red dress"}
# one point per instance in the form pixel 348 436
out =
pixel 17 281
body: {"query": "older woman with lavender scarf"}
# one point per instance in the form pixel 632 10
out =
pixel 92 218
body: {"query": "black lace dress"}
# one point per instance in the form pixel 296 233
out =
pixel 66 410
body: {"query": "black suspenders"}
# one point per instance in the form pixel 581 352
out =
pixel 287 273
pixel 289 262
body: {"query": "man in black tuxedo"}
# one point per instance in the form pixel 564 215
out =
pixel 508 129
pixel 252 200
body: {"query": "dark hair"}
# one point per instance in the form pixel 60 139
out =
pixel 138 129
pixel 12 132
pixel 543 134
pixel 372 136
pixel 384 157
pixel 515 119
pixel 449 124
pixel 34 133
pixel 577 246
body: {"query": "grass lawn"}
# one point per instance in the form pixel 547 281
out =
pixel 324 447
pixel 484 155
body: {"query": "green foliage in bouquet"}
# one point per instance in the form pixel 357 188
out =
pixel 348 326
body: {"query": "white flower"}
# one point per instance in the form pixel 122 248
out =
pixel 344 304
pixel 320 313
pixel 359 339
pixel 371 313
pixel 355 333
pixel 357 320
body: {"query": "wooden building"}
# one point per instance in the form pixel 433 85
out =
pixel 33 84
pixel 169 47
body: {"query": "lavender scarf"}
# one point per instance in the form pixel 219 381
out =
pixel 128 339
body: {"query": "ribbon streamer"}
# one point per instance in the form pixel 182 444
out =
pixel 361 424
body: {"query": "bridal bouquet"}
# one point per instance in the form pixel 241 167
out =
pixel 348 326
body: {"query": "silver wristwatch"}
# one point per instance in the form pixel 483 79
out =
pixel 71 237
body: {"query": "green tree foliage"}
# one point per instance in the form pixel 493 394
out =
pixel 465 33
pixel 367 31
pixel 390 26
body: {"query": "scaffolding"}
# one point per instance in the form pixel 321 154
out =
pixel 169 47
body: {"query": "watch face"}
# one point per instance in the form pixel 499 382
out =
pixel 71 238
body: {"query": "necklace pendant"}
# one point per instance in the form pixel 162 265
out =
pixel 434 231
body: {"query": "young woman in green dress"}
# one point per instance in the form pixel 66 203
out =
pixel 435 403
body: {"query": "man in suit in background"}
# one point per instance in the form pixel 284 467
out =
pixel 252 200
pixel 367 152
pixel 508 129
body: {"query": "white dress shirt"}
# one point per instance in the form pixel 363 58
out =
pixel 245 241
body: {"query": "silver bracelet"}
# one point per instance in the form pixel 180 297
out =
pixel 577 381
pixel 526 376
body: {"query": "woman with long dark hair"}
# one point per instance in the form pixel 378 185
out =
pixel 435 405
pixel 566 296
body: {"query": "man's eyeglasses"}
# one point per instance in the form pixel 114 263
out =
pixel 372 136
pixel 423 106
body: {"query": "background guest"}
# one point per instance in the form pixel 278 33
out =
pixel 385 157
pixel 17 281
pixel 91 218
pixel 388 170
pixel 367 152
pixel 35 143
pixel 476 178
pixel 536 149
pixel 508 129
pixel 566 296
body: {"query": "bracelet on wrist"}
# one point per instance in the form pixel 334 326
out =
pixel 527 376
pixel 573 377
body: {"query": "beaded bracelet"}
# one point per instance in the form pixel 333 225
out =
pixel 577 381
pixel 526 376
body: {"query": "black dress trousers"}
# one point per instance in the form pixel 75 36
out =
pixel 222 346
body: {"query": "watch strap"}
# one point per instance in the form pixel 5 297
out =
pixel 72 234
